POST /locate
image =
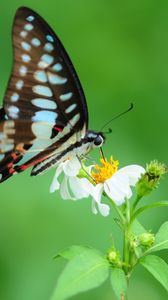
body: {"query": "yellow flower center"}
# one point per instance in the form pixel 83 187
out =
pixel 105 171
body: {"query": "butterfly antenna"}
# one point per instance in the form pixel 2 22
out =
pixel 108 131
pixel 116 117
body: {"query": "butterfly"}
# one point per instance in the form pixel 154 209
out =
pixel 44 119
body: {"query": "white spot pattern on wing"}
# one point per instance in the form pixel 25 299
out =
pixel 45 115
pixel 48 47
pixel 28 27
pixel 14 97
pixel 44 103
pixel 35 42
pixel 40 76
pixel 45 61
pixel 65 97
pixel 13 111
pixel 71 108
pixel 26 46
pixel 23 33
pixel 42 90
pixel 26 58
pixel 19 84
pixel 56 79
pixel 23 70
pixel 30 18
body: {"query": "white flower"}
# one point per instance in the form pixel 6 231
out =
pixel 74 188
pixel 118 186
pixel 71 187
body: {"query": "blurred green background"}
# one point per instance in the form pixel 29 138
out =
pixel 120 51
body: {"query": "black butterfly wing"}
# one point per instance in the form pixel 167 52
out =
pixel 42 70
pixel 43 89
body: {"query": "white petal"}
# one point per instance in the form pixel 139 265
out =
pixel 133 172
pixel 94 208
pixel 118 188
pixel 72 166
pixel 104 209
pixel 96 202
pixel 97 192
pixel 64 189
pixel 80 187
pixel 96 197
pixel 55 185
pixel 87 185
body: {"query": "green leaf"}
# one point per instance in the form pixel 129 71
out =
pixel 119 283
pixel 161 239
pixel 85 271
pixel 157 267
pixel 137 228
pixel 72 251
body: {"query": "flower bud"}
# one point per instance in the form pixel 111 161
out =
pixel 134 243
pixel 151 178
pixel 147 239
pixel 113 257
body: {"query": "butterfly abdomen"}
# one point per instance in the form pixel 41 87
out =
pixel 79 149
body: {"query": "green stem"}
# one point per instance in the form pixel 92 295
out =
pixel 126 251
pixel 141 209
pixel 126 296
pixel 137 199
pixel 126 242
pixel 117 209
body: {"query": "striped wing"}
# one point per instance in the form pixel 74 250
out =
pixel 44 106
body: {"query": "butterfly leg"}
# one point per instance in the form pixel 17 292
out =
pixel 88 158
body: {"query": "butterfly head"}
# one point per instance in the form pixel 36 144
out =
pixel 96 138
pixel 99 140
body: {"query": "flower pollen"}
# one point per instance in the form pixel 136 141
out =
pixel 105 171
